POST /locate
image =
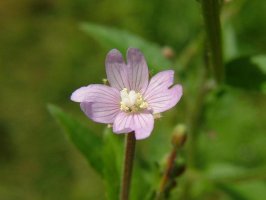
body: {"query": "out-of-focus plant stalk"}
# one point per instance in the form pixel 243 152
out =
pixel 171 172
pixel 167 173
pixel 189 52
pixel 211 15
pixel 130 144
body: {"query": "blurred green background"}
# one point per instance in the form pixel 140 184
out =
pixel 45 56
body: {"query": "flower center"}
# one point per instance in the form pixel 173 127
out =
pixel 132 101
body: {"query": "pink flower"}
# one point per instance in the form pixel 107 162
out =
pixel 131 101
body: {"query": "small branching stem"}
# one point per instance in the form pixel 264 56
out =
pixel 167 173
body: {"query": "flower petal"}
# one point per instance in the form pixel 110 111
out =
pixel 79 94
pixel 141 123
pixel 160 82
pixel 96 92
pixel 116 70
pixel 158 96
pixel 123 123
pixel 138 73
pixel 100 112
pixel 99 102
pixel 164 100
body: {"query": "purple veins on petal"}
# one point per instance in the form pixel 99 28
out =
pixel 138 70
pixel 163 101
pixel 99 102
pixel 96 92
pixel 158 95
pixel 130 101
pixel 160 82
pixel 100 112
pixel 141 123
pixel 116 70
pixel 123 123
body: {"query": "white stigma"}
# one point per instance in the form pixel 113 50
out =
pixel 131 101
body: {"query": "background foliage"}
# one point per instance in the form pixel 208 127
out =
pixel 46 52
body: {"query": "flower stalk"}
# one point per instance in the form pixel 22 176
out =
pixel 211 15
pixel 130 144
pixel 172 170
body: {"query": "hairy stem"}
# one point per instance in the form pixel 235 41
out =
pixel 211 14
pixel 130 144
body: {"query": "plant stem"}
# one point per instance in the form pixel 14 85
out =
pixel 130 144
pixel 211 14
pixel 167 173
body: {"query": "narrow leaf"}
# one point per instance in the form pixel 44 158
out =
pixel 112 156
pixel 224 171
pixel 88 143
pixel 251 190
pixel 230 173
pixel 121 39
pixel 232 191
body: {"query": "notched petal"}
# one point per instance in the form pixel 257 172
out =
pixel 135 55
pixel 116 70
pixel 79 94
pixel 100 112
pixel 122 123
pixel 159 83
pixel 138 73
pixel 140 123
pixel 114 56
pixel 143 125
pixel 163 101
pixel 160 95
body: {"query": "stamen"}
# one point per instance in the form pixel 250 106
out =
pixel 132 101
pixel 157 115
pixel 105 81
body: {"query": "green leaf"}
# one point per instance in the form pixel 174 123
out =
pixel 112 156
pixel 248 73
pixel 223 171
pixel 144 177
pixel 238 182
pixel 231 191
pixel 121 39
pixel 251 190
pixel 88 143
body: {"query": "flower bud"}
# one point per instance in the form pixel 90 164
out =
pixel 105 81
pixel 168 52
pixel 179 135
